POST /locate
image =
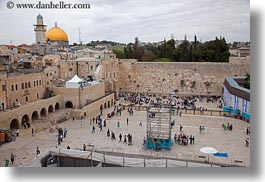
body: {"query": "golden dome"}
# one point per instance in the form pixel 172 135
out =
pixel 56 34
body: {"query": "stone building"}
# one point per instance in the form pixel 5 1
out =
pixel 40 30
pixel 50 42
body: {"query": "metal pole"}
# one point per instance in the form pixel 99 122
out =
pixel 58 164
pixel 123 161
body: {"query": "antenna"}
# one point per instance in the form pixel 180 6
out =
pixel 80 42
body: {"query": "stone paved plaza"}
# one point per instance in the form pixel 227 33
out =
pixel 79 133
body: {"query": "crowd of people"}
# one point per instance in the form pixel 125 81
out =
pixel 188 102
pixel 182 138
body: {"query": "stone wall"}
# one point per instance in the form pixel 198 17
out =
pixel 240 60
pixel 183 78
pixel 93 109
pixel 86 95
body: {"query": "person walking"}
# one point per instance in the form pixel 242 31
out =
pixel 125 139
pixel 84 147
pixel 131 140
pixel 61 138
pixel 12 158
pixel 32 131
pixel 100 126
pixel 120 136
pixel 175 138
pixel 93 129
pixel 180 128
pixel 68 147
pixel 127 121
pixel 38 150
pixel 108 133
pixel 190 139
pixel 140 124
pixel 64 132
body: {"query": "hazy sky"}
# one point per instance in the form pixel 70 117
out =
pixel 123 20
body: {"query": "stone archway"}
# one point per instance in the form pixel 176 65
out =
pixel 108 104
pixel 25 119
pixel 14 124
pixel 57 106
pixel 43 112
pixel 34 116
pixel 101 107
pixel 111 102
pixel 50 108
pixel 105 105
pixel 68 104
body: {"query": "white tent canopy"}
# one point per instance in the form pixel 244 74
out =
pixel 208 150
pixel 74 82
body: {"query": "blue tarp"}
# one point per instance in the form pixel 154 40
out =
pixel 231 110
pixel 246 115
pixel 218 154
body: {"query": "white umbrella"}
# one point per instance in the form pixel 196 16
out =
pixel 208 150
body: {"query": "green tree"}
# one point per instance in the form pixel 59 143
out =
pixel 119 53
pixel 149 56
pixel 138 51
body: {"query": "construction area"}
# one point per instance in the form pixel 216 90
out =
pixel 159 127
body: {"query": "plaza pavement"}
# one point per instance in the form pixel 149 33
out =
pixel 79 133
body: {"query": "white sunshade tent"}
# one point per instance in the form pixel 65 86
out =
pixel 208 150
pixel 74 82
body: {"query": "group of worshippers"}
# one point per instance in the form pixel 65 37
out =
pixel 116 111
pixel 128 137
pixel 183 139
pixel 61 134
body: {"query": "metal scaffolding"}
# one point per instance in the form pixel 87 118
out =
pixel 159 127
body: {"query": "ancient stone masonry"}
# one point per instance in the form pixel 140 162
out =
pixel 183 78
